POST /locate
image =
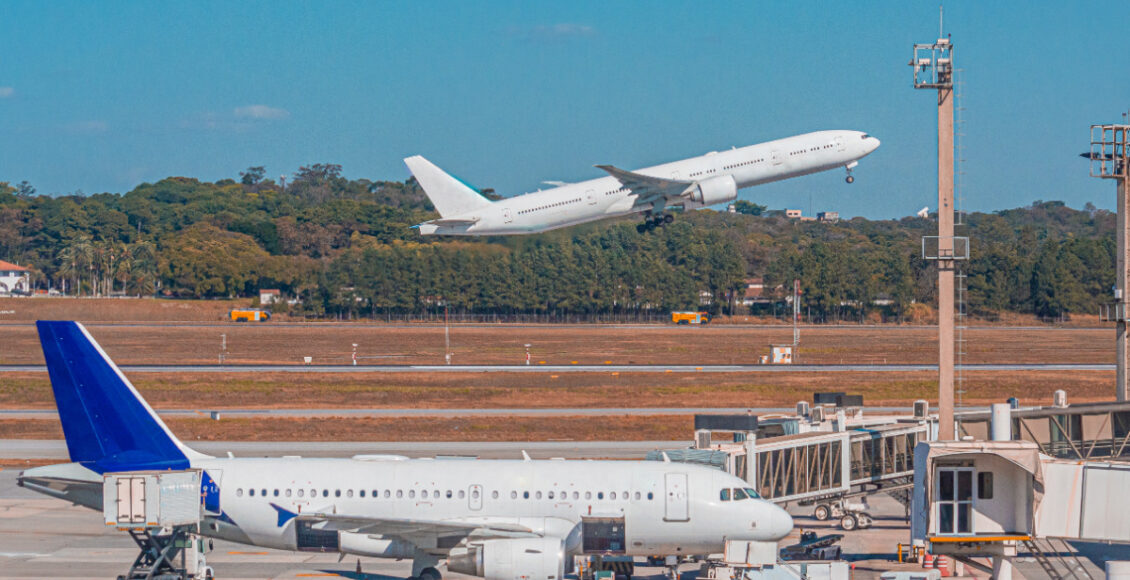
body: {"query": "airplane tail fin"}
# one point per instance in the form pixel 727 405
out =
pixel 451 196
pixel 107 425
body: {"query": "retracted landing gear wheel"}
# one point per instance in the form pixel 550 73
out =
pixel 849 522
pixel 430 573
pixel 822 513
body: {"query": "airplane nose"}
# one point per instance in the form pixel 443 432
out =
pixel 872 144
pixel 780 524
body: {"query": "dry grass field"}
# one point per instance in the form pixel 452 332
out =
pixel 623 428
pixel 188 332
pixel 266 343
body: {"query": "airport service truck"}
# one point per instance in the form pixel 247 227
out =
pixel 690 317
pixel 249 315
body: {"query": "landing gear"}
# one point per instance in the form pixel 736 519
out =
pixel 424 567
pixel 849 179
pixel 849 167
pixel 651 222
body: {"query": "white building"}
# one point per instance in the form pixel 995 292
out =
pixel 14 279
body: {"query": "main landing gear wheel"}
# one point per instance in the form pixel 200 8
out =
pixel 822 513
pixel 430 573
pixel 849 522
pixel 668 218
pixel 849 179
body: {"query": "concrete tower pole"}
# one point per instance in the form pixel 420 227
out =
pixel 945 264
pixel 1122 283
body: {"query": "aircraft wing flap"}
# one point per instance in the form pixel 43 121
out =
pixel 454 221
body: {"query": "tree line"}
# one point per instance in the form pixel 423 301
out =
pixel 345 248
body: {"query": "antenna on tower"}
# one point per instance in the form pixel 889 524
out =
pixel 941 19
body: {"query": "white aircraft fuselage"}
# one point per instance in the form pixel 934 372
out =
pixel 692 183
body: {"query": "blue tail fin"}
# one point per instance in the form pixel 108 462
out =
pixel 108 426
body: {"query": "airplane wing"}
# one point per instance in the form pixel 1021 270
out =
pixel 640 183
pixel 416 531
pixel 648 188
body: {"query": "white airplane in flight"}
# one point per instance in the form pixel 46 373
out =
pixel 692 183
pixel 496 519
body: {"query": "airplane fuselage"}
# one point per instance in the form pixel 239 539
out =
pixel 606 197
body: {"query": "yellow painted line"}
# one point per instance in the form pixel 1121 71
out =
pixel 616 374
pixel 698 368
pixel 607 362
pixel 249 554
pixel 541 362
pixel 553 376
pixel 970 539
pixel 574 362
pixel 668 371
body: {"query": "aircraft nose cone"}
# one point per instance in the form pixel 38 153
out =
pixel 780 524
pixel 872 144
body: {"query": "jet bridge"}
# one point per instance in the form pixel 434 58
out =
pixel 819 467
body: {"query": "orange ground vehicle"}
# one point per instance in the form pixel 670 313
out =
pixel 690 317
pixel 250 314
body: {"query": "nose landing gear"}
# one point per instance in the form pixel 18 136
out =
pixel 849 167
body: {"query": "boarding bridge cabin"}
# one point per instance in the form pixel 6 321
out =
pixel 985 498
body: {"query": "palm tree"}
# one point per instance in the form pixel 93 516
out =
pixel 144 267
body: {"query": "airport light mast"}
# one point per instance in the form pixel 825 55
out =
pixel 1110 155
pixel 933 69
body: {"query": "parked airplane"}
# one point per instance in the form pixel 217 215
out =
pixel 497 519
pixel 692 183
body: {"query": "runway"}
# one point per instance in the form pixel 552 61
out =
pixel 454 413
pixel 57 448
pixel 551 369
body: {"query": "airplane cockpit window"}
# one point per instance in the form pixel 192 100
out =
pixel 725 495
pixel 739 494
pixel 752 493
pixel 865 136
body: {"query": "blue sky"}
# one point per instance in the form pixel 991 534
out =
pixel 100 96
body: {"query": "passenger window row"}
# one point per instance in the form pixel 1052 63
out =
pixel 436 494
pixel 750 162
pixel 558 204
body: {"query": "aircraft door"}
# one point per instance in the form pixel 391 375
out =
pixel 677 509
pixel 506 215
pixel 475 497
pixel 839 143
pixel 591 195
pixel 776 157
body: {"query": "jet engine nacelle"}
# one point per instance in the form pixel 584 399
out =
pixel 719 189
pixel 533 558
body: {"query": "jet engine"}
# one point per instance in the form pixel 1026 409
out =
pixel 533 558
pixel 719 189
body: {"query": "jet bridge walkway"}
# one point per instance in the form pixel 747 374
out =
pixel 818 466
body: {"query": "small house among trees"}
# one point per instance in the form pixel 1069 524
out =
pixel 14 279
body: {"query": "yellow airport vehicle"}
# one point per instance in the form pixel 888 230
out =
pixel 250 315
pixel 690 317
